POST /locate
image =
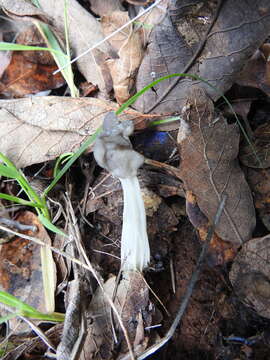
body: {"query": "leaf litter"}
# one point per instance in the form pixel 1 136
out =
pixel 183 182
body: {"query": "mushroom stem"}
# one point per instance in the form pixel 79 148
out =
pixel 135 252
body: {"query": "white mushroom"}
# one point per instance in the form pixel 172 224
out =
pixel 113 151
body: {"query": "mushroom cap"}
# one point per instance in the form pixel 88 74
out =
pixel 113 149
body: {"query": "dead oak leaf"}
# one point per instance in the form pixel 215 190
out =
pixel 209 169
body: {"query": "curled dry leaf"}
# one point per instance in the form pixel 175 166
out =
pixel 20 266
pixel 250 275
pixel 128 45
pixel 209 169
pixel 132 303
pixel 38 129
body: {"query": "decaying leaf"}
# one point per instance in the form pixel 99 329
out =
pixel 250 275
pixel 38 129
pixel 258 156
pixel 209 169
pixel 239 30
pixel 20 266
pixel 30 72
pixel 128 45
pixel 132 303
pixel 84 32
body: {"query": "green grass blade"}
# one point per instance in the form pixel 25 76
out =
pixel 3 319
pixel 10 300
pixel 60 58
pixel 54 317
pixel 76 155
pixel 4 46
pixel 61 159
pixel 19 200
pixel 164 121
pixel 24 309
pixel 7 172
pixel 46 222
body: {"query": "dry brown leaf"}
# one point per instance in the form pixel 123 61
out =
pixel 167 53
pixel 20 265
pixel 129 47
pixel 250 275
pixel 209 169
pixel 226 51
pixel 84 32
pixel 30 72
pixel 132 303
pixel 38 129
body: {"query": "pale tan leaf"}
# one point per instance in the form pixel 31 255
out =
pixel 38 129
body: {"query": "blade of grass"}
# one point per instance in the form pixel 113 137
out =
pixel 4 46
pixel 164 121
pixel 49 225
pixel 24 309
pixel 76 155
pixel 19 200
pixel 62 60
pixel 3 319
